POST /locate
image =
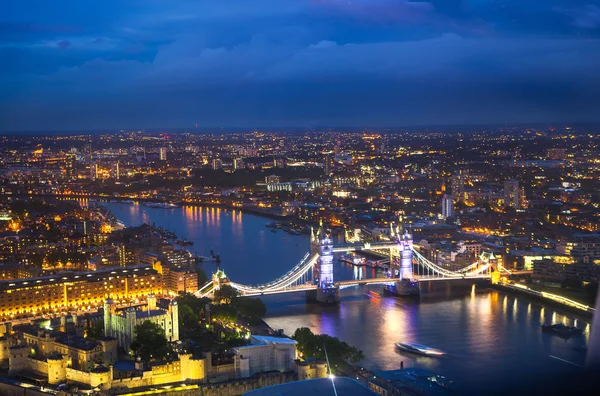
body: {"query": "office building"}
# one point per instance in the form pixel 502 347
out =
pixel 76 290
pixel 216 164
pixel 163 153
pixel 447 206
pixel 70 166
pixel 238 163
pixel 512 194
pixel 457 184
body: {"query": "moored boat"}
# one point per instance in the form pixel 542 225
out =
pixel 561 329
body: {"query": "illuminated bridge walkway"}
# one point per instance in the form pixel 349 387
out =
pixel 300 277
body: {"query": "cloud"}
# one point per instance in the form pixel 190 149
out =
pixel 585 17
pixel 321 61
pixel 63 44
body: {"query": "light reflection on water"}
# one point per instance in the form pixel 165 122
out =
pixel 484 341
pixel 489 336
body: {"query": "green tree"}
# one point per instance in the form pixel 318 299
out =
pixel 338 352
pixel 202 277
pixel 224 313
pixel 198 305
pixel 187 317
pixel 226 294
pixel 250 307
pixel 152 341
pixel 96 331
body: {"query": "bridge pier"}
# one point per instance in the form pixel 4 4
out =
pixel 324 296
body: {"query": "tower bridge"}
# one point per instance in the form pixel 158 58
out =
pixel 314 273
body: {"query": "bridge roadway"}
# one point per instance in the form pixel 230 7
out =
pixel 365 247
pixel 352 283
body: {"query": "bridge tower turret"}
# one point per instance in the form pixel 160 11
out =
pixel 322 244
pixel 405 244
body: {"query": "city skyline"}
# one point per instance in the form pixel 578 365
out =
pixel 298 63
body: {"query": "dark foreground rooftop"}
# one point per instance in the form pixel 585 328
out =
pixel 315 387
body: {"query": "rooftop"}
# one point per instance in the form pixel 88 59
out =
pixel 315 387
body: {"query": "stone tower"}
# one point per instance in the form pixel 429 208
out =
pixel 174 313
pixel 322 244
pixel 405 244
pixel 108 310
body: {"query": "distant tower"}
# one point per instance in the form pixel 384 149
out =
pixel 405 243
pixel 447 206
pixel 322 244
pixel 512 194
pixel 163 153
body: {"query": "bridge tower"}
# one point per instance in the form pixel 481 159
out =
pixel 405 244
pixel 322 244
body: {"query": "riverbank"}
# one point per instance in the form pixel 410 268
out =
pixel 104 198
pixel 553 300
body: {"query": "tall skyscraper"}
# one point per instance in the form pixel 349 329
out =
pixel 327 164
pixel 163 153
pixel 512 194
pixel 457 183
pixel 116 174
pixel 447 206
pixel 216 164
pixel 70 165
pixel 94 170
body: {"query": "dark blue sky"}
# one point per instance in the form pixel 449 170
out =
pixel 70 64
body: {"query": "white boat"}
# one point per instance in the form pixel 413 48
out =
pixel 419 349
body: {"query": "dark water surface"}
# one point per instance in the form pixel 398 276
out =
pixel 493 340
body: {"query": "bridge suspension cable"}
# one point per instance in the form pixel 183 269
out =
pixel 296 276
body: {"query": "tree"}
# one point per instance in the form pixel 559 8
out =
pixel 250 307
pixel 187 317
pixel 198 305
pixel 338 352
pixel 225 294
pixel 224 313
pixel 202 278
pixel 96 331
pixel 151 340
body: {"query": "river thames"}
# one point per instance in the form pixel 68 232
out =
pixel 492 340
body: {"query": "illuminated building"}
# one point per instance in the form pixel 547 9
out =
pixel 327 164
pixel 217 164
pixel 116 174
pixel 163 153
pixel 76 290
pixel 238 163
pixel 457 183
pixel 512 194
pixel 121 324
pixel 582 247
pixel 12 270
pixel 94 171
pixel 69 166
pixel 81 353
pixel 447 206
pixel 179 280
pixel 264 354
